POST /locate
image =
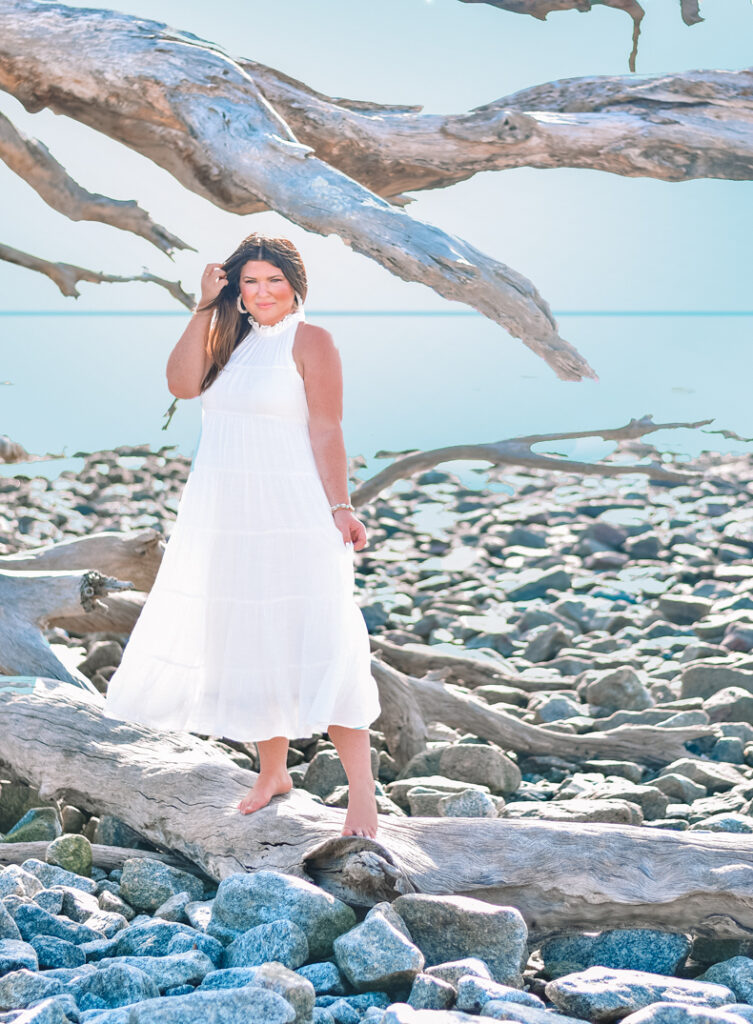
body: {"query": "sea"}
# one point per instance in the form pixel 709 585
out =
pixel 73 382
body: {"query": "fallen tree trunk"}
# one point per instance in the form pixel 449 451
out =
pixel 105 857
pixel 434 701
pixel 181 793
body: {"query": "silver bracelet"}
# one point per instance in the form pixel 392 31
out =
pixel 342 504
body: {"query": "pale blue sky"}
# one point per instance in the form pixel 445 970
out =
pixel 588 240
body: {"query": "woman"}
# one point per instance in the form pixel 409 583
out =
pixel 251 629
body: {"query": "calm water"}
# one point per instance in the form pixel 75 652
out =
pixel 74 381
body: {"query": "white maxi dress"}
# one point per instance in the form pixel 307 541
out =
pixel 251 628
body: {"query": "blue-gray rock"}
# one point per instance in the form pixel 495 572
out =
pixel 183 941
pixel 221 1006
pixel 38 823
pixel 53 1010
pixel 730 749
pixel 55 952
pixel 321 1015
pixel 403 1013
pixel 473 993
pixel 147 883
pixel 145 938
pixel 8 927
pixel 324 773
pixel 117 984
pixel 20 988
pixel 604 994
pixel 377 955
pixel 50 874
pixel 723 823
pixel 324 976
pixel 275 977
pixel 169 970
pixel 451 927
pixel 174 907
pixel 178 990
pixel 453 970
pixel 280 940
pixel 736 974
pixel 619 689
pixel 51 900
pixel 679 788
pixel 341 1012
pixel 637 949
pixel 428 993
pixel 245 900
pixel 111 831
pixel 681 1013
pixel 501 1009
pixel 16 954
pixel 471 803
pixel 32 920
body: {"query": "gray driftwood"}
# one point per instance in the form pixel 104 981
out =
pixel 181 793
pixel 105 857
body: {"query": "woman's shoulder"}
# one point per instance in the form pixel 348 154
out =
pixel 314 337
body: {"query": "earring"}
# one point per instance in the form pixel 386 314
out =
pixel 239 304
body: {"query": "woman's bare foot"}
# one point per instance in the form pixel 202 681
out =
pixel 361 819
pixel 262 791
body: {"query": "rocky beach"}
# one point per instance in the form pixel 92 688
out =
pixel 588 605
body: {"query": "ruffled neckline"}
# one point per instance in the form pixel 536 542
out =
pixel 281 325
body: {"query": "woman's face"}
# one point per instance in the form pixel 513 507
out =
pixel 265 291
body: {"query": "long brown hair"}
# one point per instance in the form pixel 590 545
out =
pixel 229 326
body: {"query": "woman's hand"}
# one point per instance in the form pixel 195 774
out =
pixel 213 280
pixel 350 527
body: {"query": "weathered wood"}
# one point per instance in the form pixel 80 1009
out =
pixel 673 127
pixel 67 275
pixel 30 602
pixel 105 857
pixel 194 111
pixel 31 160
pixel 444 702
pixel 517 451
pixel 182 793
pixel 133 556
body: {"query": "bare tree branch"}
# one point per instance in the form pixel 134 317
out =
pixel 673 127
pixel 32 161
pixel 517 451
pixel 67 275
pixel 540 8
pixel 194 111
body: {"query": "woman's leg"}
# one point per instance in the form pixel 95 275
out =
pixel 273 774
pixel 354 748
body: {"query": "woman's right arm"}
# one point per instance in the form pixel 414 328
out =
pixel 189 361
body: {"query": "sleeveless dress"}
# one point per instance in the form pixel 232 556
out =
pixel 251 629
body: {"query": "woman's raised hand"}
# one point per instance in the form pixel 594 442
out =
pixel 213 280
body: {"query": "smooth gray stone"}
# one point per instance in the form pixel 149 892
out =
pixel 403 1013
pixel 679 788
pixel 704 680
pixel 15 954
pixel 638 949
pixel 169 970
pixel 736 973
pixel 324 773
pixel 112 985
pixel 222 1006
pixel 282 941
pixel 724 823
pixel 428 993
pixel 50 874
pixel 150 937
pixel 275 977
pixel 619 689
pixel 375 955
pixel 37 824
pixel 19 988
pixel 147 883
pixel 245 900
pixel 474 993
pixel 714 776
pixel 604 994
pixel 482 764
pixel 451 927
pixel 504 1010
pixel 681 1013
pixel 53 1010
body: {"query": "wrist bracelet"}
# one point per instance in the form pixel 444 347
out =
pixel 342 504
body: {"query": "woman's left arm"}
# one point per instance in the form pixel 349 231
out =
pixel 321 366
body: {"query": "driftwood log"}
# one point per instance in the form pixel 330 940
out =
pixel 105 857
pixel 181 794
